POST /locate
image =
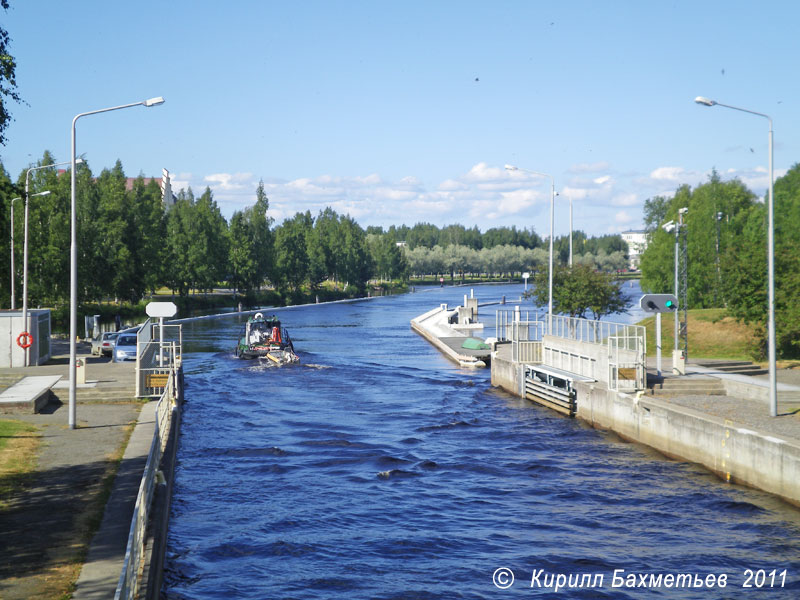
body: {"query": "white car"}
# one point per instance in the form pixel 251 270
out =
pixel 125 347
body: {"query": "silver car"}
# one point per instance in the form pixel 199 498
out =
pixel 104 345
pixel 125 347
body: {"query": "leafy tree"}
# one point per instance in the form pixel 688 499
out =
pixel 389 261
pixel 107 222
pixel 291 256
pixel 208 252
pixel 180 232
pixel 578 291
pixel 242 260
pixel 7 192
pixel 261 223
pixel 8 81
pixel 355 267
pixel 658 262
pixel 149 233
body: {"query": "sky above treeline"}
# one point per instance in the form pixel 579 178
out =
pixel 406 112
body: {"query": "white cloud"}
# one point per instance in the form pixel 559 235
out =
pixel 668 173
pixel 229 181
pixel 622 217
pixel 483 172
pixel 483 194
pixel 452 185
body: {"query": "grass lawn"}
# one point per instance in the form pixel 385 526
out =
pixel 712 334
pixel 19 443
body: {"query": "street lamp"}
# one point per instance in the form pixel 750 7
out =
pixel 25 247
pixel 12 250
pixel 73 256
pixel 552 205
pixel 25 266
pixel 773 382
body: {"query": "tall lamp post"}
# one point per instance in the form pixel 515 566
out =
pixel 25 266
pixel 73 256
pixel 552 206
pixel 773 382
pixel 12 250
pixel 25 246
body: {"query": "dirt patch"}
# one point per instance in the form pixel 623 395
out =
pixel 19 443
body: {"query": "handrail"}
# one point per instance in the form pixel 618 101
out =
pixel 128 585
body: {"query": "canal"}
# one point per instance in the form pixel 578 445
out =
pixel 379 470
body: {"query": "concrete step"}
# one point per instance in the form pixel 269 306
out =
pixel 688 392
pixel 724 363
pixel 686 383
pixel 739 367
pixel 686 386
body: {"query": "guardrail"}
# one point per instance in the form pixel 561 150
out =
pixel 597 332
pixel 622 363
pixel 154 357
pixel 128 585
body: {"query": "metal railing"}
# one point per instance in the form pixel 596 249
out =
pixel 624 357
pixel 597 332
pixel 154 357
pixel 503 320
pixel 128 585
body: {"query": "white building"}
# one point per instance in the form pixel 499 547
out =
pixel 637 242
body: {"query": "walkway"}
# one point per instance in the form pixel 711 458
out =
pixel 45 529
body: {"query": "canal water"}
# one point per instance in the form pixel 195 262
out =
pixel 377 469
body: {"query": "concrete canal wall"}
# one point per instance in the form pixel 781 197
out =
pixel 736 453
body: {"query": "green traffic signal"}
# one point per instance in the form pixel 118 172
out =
pixel 669 304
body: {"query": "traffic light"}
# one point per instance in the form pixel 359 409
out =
pixel 658 303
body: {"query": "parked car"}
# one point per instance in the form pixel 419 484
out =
pixel 125 347
pixel 104 345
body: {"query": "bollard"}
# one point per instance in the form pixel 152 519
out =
pixel 80 370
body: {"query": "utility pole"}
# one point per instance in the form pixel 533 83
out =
pixel 684 277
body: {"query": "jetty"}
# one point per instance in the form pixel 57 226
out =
pixel 457 333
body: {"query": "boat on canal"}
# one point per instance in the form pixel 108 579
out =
pixel 263 338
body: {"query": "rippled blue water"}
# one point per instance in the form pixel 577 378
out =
pixel 378 469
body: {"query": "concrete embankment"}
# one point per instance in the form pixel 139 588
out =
pixel 435 327
pixel 764 456
pixel 732 435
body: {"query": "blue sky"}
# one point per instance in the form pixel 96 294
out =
pixel 402 112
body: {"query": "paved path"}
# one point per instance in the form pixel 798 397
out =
pixel 748 412
pixel 45 527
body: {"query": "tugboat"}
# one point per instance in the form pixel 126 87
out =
pixel 263 338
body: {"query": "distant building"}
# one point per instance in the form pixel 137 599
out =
pixel 167 197
pixel 637 243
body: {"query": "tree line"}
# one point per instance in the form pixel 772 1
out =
pixel 130 244
pixel 726 228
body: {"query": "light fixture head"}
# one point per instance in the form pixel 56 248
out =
pixel 45 193
pixel 79 161
pixel 704 101
pixel 154 101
